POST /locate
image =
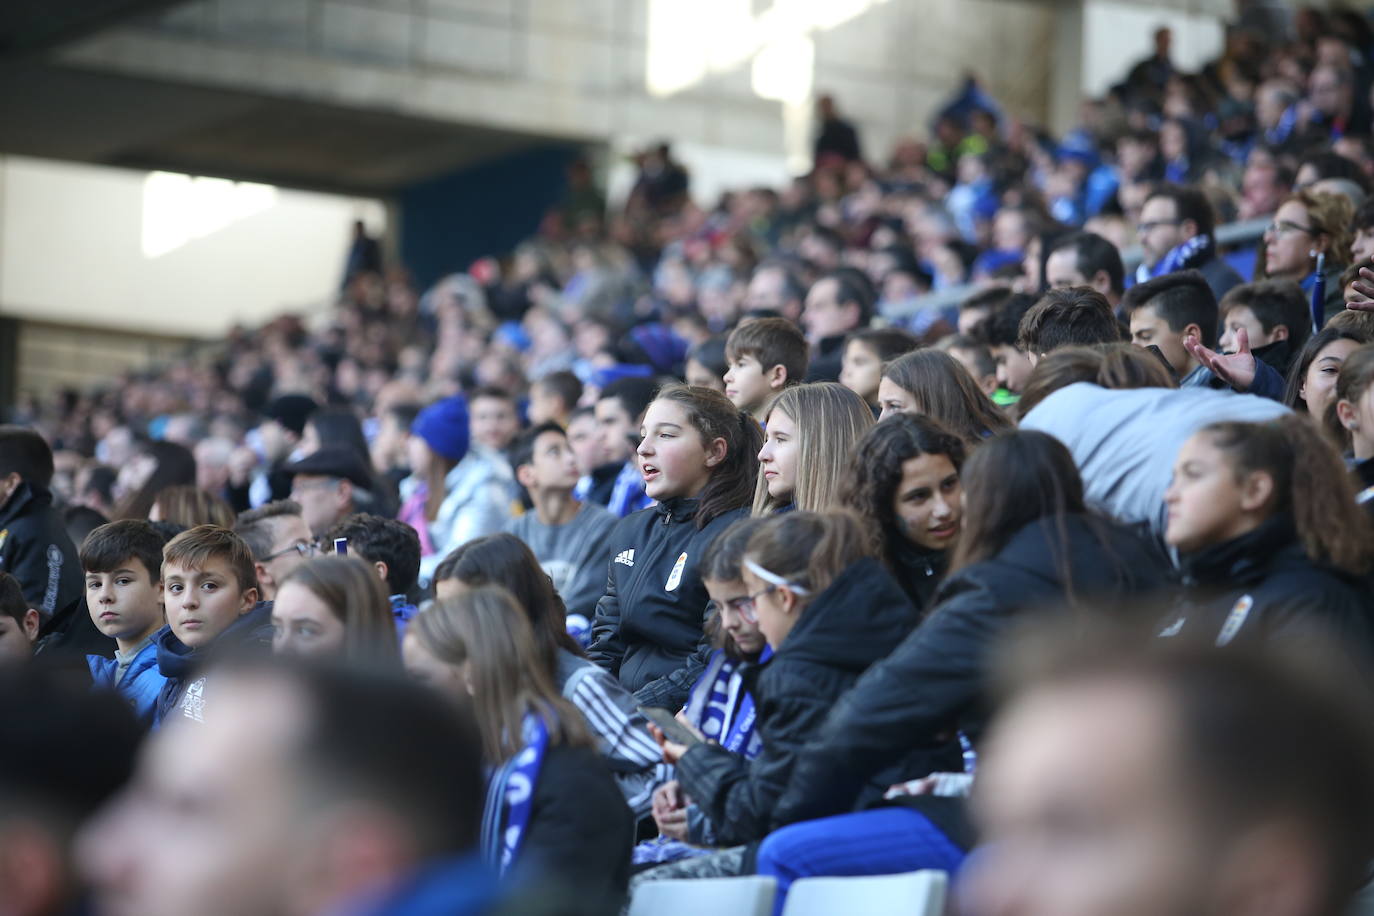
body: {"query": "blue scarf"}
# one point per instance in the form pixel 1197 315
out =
pixel 510 797
pixel 723 709
pixel 402 610
pixel 1184 256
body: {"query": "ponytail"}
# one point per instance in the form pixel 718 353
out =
pixel 713 417
pixel 807 548
pixel 1310 483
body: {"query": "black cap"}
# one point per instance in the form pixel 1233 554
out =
pixel 291 411
pixel 334 461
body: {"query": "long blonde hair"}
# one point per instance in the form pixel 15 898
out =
pixel 484 628
pixel 830 420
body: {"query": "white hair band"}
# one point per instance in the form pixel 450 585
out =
pixel 773 578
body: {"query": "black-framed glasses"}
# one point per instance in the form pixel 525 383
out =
pixel 1281 227
pixel 306 549
pixel 1143 228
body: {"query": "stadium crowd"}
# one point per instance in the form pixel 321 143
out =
pixel 689 542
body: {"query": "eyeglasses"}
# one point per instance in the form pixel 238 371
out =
pixel 1143 228
pixel 306 549
pixel 1282 227
pixel 743 606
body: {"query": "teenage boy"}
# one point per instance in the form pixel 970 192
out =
pixel 123 566
pixel 567 536
pixel 619 412
pixel 1168 310
pixel 554 397
pixel 392 548
pixel 764 356
pixel 18 623
pixel 597 476
pixel 211 597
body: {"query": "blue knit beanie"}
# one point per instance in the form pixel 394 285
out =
pixel 444 427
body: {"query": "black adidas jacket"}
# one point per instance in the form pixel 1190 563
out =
pixel 648 627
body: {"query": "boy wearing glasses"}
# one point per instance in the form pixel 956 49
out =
pixel 279 540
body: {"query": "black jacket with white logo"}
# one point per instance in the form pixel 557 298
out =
pixel 35 549
pixel 648 627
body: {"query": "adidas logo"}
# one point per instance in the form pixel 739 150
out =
pixel 627 557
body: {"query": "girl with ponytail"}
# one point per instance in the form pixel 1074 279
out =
pixel 1270 540
pixel 697 455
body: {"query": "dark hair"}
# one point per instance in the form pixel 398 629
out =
pixel 1067 317
pixel 492 392
pixel 1003 327
pixel 711 354
pixel 1117 366
pixel 871 488
pixel 1364 217
pixel 1011 481
pixel 80 521
pixel 1093 253
pixel 581 412
pixel 981 354
pixel 856 289
pixel 713 417
pixel 1310 484
pixel 522 450
pixel 721 559
pixel 339 426
pixel 1357 374
pixel 507 561
pixel 24 452
pixel 992 298
pixel 111 546
pixel 1252 724
pixel 1273 303
pixel 13 604
pixel 886 343
pixel 404 414
pixel 634 394
pixel 175 465
pixel 565 385
pixel 195 548
pixel 1297 373
pixel 255 526
pixel 943 389
pixel 1333 165
pixel 1181 299
pixel 1189 204
pixel 386 540
pixel 773 342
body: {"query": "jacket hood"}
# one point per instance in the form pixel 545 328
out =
pixel 25 496
pixel 855 622
pixel 176 660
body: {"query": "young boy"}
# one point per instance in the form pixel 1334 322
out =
pixel 865 353
pixel 18 623
pixel 122 562
pixel 764 356
pixel 567 536
pixel 211 597
pixel 554 397
pixel 393 548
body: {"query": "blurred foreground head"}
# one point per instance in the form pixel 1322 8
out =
pixel 1169 778
pixel 310 790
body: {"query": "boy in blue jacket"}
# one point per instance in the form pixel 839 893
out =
pixel 122 562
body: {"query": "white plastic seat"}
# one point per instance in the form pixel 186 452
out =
pixel 917 893
pixel 751 895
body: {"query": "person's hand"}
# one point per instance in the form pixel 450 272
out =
pixel 672 751
pixel 687 724
pixel 670 811
pixel 1360 295
pixel 923 786
pixel 1235 369
pixel 944 784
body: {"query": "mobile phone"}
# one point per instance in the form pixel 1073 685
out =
pixel 672 729
pixel 341 546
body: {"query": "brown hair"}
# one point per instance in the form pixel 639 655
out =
pixel 351 589
pixel 1331 216
pixel 830 419
pixel 1116 366
pixel 713 417
pixel 945 391
pixel 809 549
pixel 1357 373
pixel 773 342
pixel 484 628
pixel 1066 317
pixel 195 548
pixel 189 506
pixel 1310 483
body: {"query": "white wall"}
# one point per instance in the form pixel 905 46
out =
pixel 1117 34
pixel 105 246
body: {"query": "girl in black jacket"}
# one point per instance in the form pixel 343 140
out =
pixel 905 485
pixel 1028 543
pixel 698 455
pixel 1270 540
pixel 552 808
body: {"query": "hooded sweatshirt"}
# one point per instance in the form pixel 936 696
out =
pixel 185 691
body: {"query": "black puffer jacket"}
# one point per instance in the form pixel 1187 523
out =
pixel 648 627
pixel 934 683
pixel 920 572
pixel 846 628
pixel 1262 586
pixel 35 549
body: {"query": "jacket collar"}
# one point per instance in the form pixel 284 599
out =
pixel 1240 560
pixel 22 498
pixel 680 509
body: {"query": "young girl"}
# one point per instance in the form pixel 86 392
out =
pixel 933 383
pixel 905 484
pixel 698 459
pixel 828 610
pixel 1312 378
pixel 438 441
pixel 865 354
pixel 617 725
pixel 810 430
pixel 721 708
pixel 551 803
pixel 335 607
pixel 1269 537
pixel 1352 419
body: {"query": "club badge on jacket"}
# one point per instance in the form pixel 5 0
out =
pixel 675 576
